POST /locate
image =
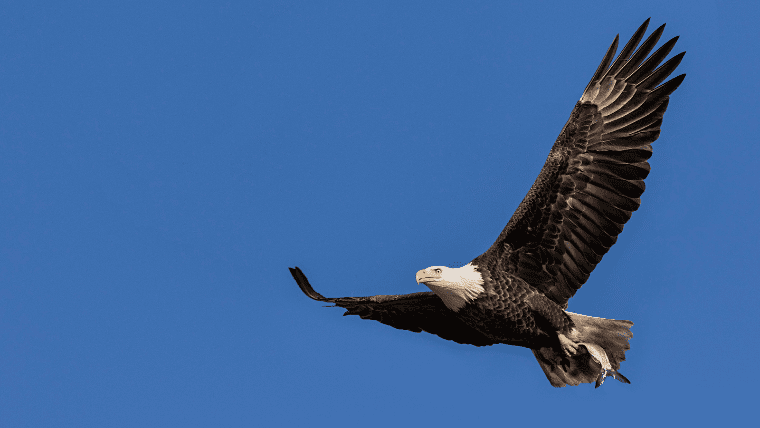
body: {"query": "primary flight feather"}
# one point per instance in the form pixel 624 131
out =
pixel 517 291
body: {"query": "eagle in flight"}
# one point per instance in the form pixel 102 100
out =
pixel 516 292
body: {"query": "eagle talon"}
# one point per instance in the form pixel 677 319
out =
pixel 612 373
pixel 570 347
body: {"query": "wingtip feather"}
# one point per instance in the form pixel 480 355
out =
pixel 304 285
pixel 639 55
pixel 602 68
pixel 628 49
pixel 670 86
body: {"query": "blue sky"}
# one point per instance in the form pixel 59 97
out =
pixel 163 164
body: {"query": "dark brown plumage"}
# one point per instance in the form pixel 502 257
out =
pixel 594 175
pixel 516 292
pixel 414 312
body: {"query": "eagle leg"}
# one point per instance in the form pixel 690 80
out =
pixel 568 345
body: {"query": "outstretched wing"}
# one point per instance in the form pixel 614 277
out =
pixel 414 312
pixel 594 175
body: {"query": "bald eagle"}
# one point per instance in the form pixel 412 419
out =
pixel 516 292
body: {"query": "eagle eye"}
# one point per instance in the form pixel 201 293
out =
pixel 437 271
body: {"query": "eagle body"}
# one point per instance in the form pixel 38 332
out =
pixel 517 291
pixel 511 312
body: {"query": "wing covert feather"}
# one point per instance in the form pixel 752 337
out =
pixel 594 174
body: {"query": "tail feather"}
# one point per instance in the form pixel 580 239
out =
pixel 612 335
pixel 561 371
pixel 604 342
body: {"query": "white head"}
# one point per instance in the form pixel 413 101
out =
pixel 455 286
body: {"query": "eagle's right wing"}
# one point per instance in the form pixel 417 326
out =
pixel 414 312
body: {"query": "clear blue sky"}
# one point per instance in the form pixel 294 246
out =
pixel 163 164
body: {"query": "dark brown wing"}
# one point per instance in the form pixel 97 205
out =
pixel 594 175
pixel 414 312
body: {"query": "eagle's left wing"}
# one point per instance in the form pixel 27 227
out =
pixel 594 175
pixel 414 312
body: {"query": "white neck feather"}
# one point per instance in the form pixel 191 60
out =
pixel 458 286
